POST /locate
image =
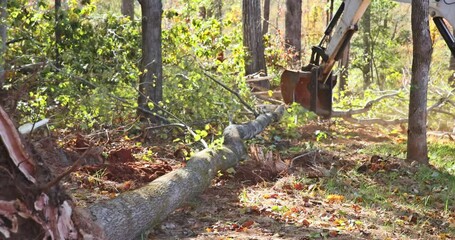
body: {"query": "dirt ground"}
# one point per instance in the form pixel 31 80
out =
pixel 301 204
pixel 320 185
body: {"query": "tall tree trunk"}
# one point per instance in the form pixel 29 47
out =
pixel 151 79
pixel 452 66
pixel 421 58
pixel 203 12
pixel 366 37
pixel 265 23
pixel 280 12
pixel 329 12
pixel 128 8
pixel 216 10
pixel 344 66
pixel 253 39
pixel 3 30
pixel 293 28
pixel 58 34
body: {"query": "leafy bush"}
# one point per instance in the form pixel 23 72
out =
pixel 98 56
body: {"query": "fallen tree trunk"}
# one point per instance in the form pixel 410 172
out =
pixel 33 206
pixel 130 214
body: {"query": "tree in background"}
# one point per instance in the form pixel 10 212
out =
pixel 293 28
pixel 58 32
pixel 3 29
pixel 367 64
pixel 128 8
pixel 151 79
pixel 253 39
pixel 417 148
pixel 213 10
pixel 265 23
pixel 216 9
pixel 378 50
pixel 344 67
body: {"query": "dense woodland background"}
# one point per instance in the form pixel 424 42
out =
pixel 100 53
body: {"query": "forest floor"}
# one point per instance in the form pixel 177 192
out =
pixel 339 182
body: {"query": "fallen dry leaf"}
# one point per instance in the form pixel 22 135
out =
pixel 374 167
pixel 333 233
pixel 304 222
pixel 234 226
pixel 268 196
pixel 412 219
pixel 248 224
pixel 340 222
pixel 297 209
pixel 443 236
pixel 452 220
pixel 333 198
pixel 298 186
pixel 356 208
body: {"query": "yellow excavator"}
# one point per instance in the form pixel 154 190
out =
pixel 312 86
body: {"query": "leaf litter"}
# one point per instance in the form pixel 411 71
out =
pixel 329 189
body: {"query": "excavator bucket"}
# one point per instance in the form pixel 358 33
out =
pixel 304 88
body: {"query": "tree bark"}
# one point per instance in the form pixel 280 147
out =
pixel 293 28
pixel 58 34
pixel 3 39
pixel 344 66
pixel 128 8
pixel 422 48
pixel 147 206
pixel 253 39
pixel 265 23
pixel 366 37
pixel 151 79
pixel 216 10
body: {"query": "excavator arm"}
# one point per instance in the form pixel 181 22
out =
pixel 442 11
pixel 312 86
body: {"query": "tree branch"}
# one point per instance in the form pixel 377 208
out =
pixel 375 121
pixel 165 120
pixel 71 169
pixel 365 109
pixel 272 100
pixel 231 91
pixel 16 40
pixel 348 114
pixel 204 143
pixel 444 112
pixel 122 100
